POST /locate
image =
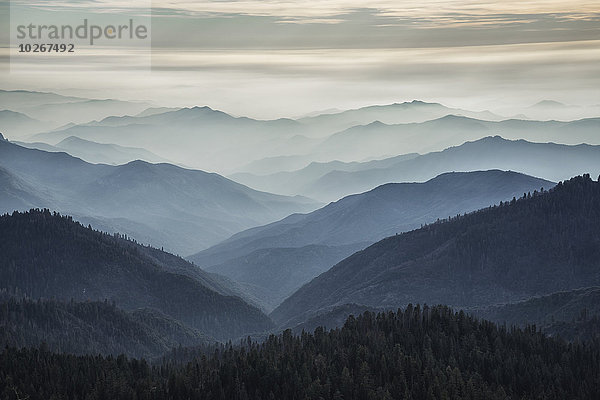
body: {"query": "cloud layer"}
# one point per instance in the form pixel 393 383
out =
pixel 274 58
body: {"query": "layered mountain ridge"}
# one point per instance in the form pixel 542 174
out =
pixel 540 244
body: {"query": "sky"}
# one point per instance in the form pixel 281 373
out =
pixel 269 59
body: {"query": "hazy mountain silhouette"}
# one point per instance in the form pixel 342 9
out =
pixel 398 113
pixel 200 136
pixel 272 165
pixel 536 159
pixel 533 246
pixel 213 140
pixel 17 125
pixel 378 139
pixel 97 153
pixel 270 275
pixel 295 181
pixel 161 204
pixel 280 257
pixel 56 110
pixel 156 110
pixel 554 110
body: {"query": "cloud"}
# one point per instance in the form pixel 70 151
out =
pixel 277 58
pixel 432 12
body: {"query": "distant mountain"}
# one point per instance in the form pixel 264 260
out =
pixel 549 103
pixel 40 146
pixel 48 256
pixel 200 136
pixel 554 110
pixel 397 113
pixel 298 180
pixel 101 153
pixel 161 204
pixel 534 246
pixel 334 180
pixel 155 110
pixel 536 159
pixel 24 98
pixel 92 328
pixel 216 141
pixel 56 110
pixel 319 112
pixel 270 165
pixel 97 153
pixel 17 125
pixel 278 258
pixel 270 275
pixel 378 139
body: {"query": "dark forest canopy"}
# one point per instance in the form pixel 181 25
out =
pixel 416 353
pixel 91 328
pixel 46 255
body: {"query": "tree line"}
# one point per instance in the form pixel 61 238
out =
pixel 415 353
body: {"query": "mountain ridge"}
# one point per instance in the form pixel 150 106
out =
pixel 458 263
pixel 64 260
pixel 181 209
pixel 275 259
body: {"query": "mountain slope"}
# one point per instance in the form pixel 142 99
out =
pixel 572 315
pixel 92 328
pixel 546 311
pixel 381 212
pixel 397 113
pixel 106 153
pixel 48 256
pixel 270 275
pixel 57 110
pixel 15 125
pixel 278 258
pixel 378 139
pixel 550 109
pixel 334 180
pixel 530 247
pixel 16 194
pixel 295 181
pixel 416 353
pixel 199 136
pixel 536 159
pixel 183 210
pixel 96 153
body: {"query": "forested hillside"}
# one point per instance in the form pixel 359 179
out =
pixel 573 315
pixel 46 255
pixel 277 259
pixel 537 245
pixel 417 353
pixel 92 328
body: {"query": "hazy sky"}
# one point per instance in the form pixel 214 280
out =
pixel 272 58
